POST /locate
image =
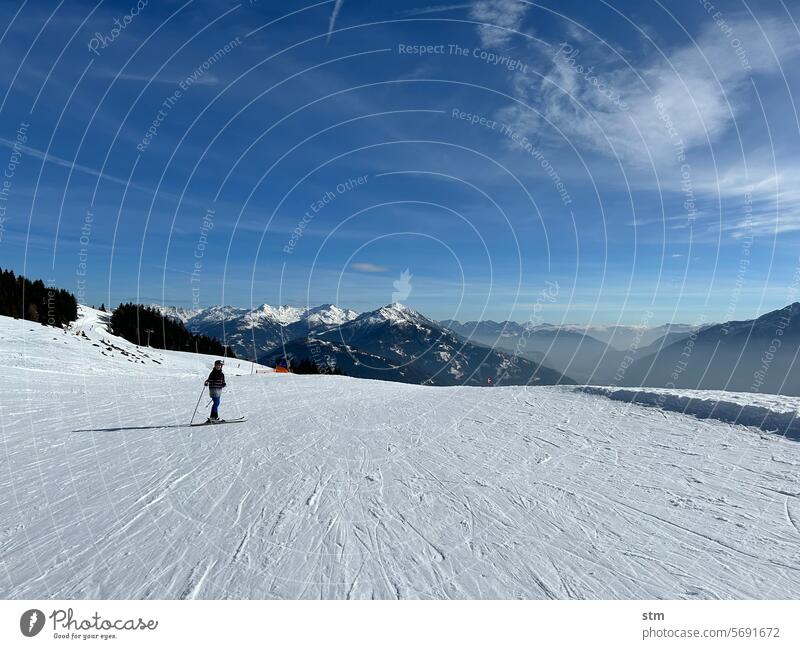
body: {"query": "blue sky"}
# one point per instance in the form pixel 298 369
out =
pixel 641 157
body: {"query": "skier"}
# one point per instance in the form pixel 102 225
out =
pixel 215 383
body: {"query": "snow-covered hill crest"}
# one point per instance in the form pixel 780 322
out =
pixel 87 348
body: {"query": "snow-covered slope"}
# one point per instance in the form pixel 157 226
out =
pixel 769 412
pixel 344 488
pixel 87 348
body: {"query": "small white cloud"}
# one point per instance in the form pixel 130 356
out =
pixel 366 267
pixel 501 19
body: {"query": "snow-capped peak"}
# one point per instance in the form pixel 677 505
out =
pixel 282 315
pixel 219 314
pixel 179 313
pixel 395 313
pixel 266 314
pixel 326 314
pixel 329 314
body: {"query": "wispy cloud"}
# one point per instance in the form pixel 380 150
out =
pixel 680 105
pixel 366 267
pixel 501 19
pixel 203 80
pixel 71 164
pixel 334 15
pixel 697 89
pixel 432 9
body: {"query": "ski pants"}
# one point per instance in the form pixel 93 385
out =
pixel 215 394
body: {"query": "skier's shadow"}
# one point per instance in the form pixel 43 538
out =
pixel 114 430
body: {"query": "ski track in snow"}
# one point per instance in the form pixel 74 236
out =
pixel 351 489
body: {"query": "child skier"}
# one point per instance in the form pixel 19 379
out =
pixel 215 383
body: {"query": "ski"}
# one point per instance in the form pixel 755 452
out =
pixel 238 420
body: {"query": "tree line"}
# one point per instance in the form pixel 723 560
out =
pixel 35 301
pixel 143 325
pixel 307 366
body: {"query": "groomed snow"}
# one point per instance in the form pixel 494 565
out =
pixel 769 412
pixel 344 488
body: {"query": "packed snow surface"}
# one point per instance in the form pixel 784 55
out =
pixel 344 488
pixel 770 412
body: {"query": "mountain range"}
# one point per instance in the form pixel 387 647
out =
pixel 253 332
pixel 758 355
pixel 397 343
pixel 618 337
pixel 572 349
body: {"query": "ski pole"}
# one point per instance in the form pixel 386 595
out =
pixel 198 404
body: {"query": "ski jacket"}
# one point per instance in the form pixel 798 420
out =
pixel 216 379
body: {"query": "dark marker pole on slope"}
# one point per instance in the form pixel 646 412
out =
pixel 198 404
